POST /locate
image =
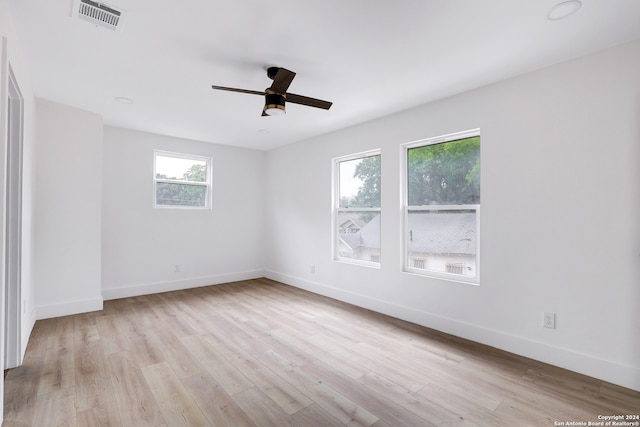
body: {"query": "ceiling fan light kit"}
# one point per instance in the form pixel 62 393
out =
pixel 274 104
pixel 276 95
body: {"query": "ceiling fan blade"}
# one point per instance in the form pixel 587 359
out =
pixel 231 89
pixel 310 102
pixel 282 80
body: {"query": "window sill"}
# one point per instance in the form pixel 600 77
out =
pixel 474 281
pixel 362 263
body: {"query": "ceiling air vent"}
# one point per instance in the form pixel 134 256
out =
pixel 98 13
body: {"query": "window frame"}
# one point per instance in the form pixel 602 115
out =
pixel 207 183
pixel 407 209
pixel 336 209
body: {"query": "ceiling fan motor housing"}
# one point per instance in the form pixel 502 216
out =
pixel 272 71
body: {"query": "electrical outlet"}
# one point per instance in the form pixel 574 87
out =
pixel 549 320
pixel 313 269
pixel 176 268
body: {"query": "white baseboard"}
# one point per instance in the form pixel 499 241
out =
pixel 154 288
pixel 623 375
pixel 28 322
pixel 68 308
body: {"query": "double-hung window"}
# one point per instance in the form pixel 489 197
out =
pixel 181 180
pixel 442 207
pixel 356 208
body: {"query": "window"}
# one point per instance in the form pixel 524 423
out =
pixel 181 181
pixel 356 221
pixel 442 207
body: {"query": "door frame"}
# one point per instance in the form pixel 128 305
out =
pixel 13 221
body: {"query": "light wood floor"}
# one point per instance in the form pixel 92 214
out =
pixel 259 353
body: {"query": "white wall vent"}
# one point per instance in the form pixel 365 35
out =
pixel 98 13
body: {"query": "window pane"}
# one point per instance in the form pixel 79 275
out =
pixel 181 169
pixel 442 241
pixel 444 174
pixel 170 194
pixel 360 183
pixel 359 235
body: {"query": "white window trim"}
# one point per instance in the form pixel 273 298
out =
pixel 207 183
pixel 336 209
pixel 404 170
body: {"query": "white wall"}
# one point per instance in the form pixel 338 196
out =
pixel 141 245
pixel 68 210
pixel 559 227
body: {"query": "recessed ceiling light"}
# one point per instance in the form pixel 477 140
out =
pixel 564 10
pixel 264 131
pixel 124 100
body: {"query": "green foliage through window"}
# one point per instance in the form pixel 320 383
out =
pixel 181 180
pixel 447 173
pixel 171 194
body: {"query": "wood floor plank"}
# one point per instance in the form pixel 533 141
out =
pixel 421 367
pixel 417 349
pixel 21 400
pixel 281 392
pixel 111 333
pixel 518 390
pixel 313 415
pixel 89 376
pixel 57 376
pixel 56 409
pixel 219 408
pixel 84 328
pixel 94 396
pixel 146 345
pixel 331 400
pixel 288 397
pixel 169 311
pixel 528 414
pixel 372 363
pixel 626 400
pixel 182 361
pixel 176 404
pixel 259 353
pixel 582 392
pixel 262 410
pixel 58 366
pixel 353 370
pixel 187 320
pixel 34 357
pixel 379 406
pixel 413 403
pixel 98 416
pixel 136 404
pixel 465 408
pixel 227 375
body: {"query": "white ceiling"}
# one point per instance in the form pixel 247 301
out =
pixel 369 57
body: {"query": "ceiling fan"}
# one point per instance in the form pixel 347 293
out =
pixel 276 95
